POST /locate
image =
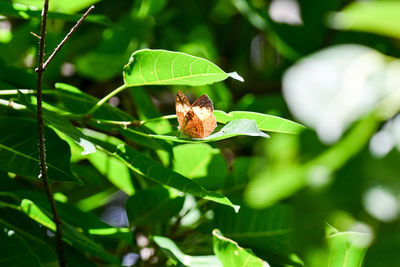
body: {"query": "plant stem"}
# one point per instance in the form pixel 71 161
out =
pixel 106 98
pixel 42 153
pixel 73 29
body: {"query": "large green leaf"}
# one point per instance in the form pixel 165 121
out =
pixel 19 153
pixel 114 169
pixel 78 102
pixel 201 163
pixel 60 123
pixel 347 248
pixel 381 17
pixel 161 67
pixel 175 254
pixel 232 255
pixel 14 251
pixel 74 216
pixel 264 122
pixel 153 205
pixel 266 231
pixel 70 234
pixel 150 168
pixel 232 129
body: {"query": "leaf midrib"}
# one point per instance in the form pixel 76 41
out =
pixel 172 79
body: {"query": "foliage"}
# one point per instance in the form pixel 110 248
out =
pixel 261 190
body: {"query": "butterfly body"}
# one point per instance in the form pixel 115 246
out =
pixel 195 120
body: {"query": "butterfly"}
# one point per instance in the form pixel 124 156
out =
pixel 196 120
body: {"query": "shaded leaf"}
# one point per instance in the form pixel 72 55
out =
pixel 60 123
pixel 78 102
pixel 266 231
pixel 161 67
pixel 70 234
pixel 230 254
pixel 153 205
pixel 174 253
pixel 151 169
pixel 19 153
pixel 14 251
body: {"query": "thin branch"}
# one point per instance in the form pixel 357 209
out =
pixel 73 29
pixel 42 149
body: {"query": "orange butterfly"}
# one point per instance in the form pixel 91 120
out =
pixel 196 120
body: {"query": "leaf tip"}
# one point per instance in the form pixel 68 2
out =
pixel 236 208
pixel 235 76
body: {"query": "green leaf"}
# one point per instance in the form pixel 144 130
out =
pixel 20 10
pixel 19 152
pixel 230 254
pixel 232 129
pixel 161 67
pixel 266 231
pixel 264 122
pixel 60 123
pixel 76 101
pixel 173 252
pixel 64 126
pixel 115 171
pixel 70 234
pixel 14 251
pixel 347 248
pixel 152 205
pixel 201 163
pixel 151 169
pixel 380 17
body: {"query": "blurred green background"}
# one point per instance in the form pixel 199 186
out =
pixel 332 65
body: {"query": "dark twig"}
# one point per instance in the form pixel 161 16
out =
pixel 73 29
pixel 42 149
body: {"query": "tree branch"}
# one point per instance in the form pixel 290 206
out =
pixel 42 149
pixel 73 29
pixel 41 142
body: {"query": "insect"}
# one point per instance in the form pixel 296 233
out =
pixel 196 120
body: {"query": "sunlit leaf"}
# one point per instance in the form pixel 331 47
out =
pixel 151 169
pixel 115 171
pixel 231 254
pixel 174 253
pixel 201 163
pixel 347 248
pixel 232 129
pixel 380 17
pixel 264 122
pixel 27 11
pixel 161 67
pixel 19 152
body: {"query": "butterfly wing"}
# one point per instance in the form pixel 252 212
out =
pixel 182 106
pixel 193 126
pixel 197 120
pixel 203 108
